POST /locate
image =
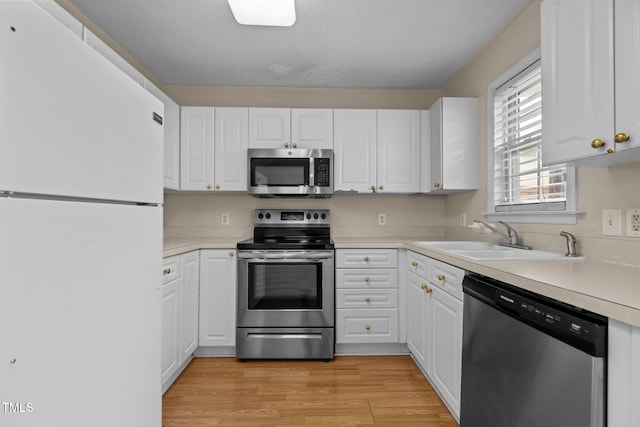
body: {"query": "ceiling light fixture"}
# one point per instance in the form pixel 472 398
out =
pixel 277 13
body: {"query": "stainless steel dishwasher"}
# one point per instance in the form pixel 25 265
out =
pixel 529 361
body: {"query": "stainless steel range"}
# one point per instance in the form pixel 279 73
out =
pixel 286 290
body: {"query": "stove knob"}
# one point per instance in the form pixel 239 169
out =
pixel 268 215
pixel 260 216
pixel 323 216
pixel 308 216
pixel 315 216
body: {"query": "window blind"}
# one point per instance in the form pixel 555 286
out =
pixel 521 183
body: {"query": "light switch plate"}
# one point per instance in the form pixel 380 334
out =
pixel 612 222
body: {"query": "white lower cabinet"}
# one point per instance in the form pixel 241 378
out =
pixel 217 297
pixel 434 324
pixel 623 375
pixel 367 296
pixel 179 313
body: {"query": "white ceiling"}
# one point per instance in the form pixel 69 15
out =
pixel 334 43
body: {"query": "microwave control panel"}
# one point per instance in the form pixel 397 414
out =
pixel 322 172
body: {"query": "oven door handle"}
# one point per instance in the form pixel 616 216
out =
pixel 286 255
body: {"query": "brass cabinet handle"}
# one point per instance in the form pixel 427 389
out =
pixel 366 259
pixel 598 143
pixel 295 145
pixel 381 187
pixel 372 188
pixel 428 290
pixel 231 253
pixel 414 264
pixel 166 271
pixel 610 151
pixel 208 186
pixel 441 277
pixel 436 184
pixel 367 327
pixel 366 279
pixel 217 186
pixel 286 145
pixel 621 137
pixel 423 286
pixel 367 299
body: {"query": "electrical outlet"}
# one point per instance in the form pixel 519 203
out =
pixel 224 219
pixel 633 222
pixel 463 219
pixel 382 219
pixel 612 222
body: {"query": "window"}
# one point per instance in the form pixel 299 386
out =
pixel 521 189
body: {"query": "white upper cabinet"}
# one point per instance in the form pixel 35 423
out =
pixel 355 142
pixel 196 148
pixel 591 101
pixel 231 141
pixel 312 128
pixel 171 125
pixel 269 128
pixel 452 146
pixel 398 151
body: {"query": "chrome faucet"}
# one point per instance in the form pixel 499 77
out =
pixel 571 243
pixel 512 236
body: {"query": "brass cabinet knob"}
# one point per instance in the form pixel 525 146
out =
pixel 286 145
pixel 621 137
pixel 166 271
pixel 414 264
pixel 610 151
pixel 423 286
pixel 367 327
pixel 441 277
pixel 208 186
pixel 366 259
pixel 295 145
pixel 372 188
pixel 598 143
pixel 231 253
pixel 436 184
pixel 366 279
pixel 367 299
pixel 217 186
pixel 428 290
pixel 381 187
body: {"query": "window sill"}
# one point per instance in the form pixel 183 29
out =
pixel 539 217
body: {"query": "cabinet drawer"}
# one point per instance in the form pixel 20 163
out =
pixel 366 278
pixel 417 264
pixel 367 326
pixel 447 277
pixel 366 258
pixel 367 298
pixel 170 269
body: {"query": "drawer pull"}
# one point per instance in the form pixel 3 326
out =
pixel 441 277
pixel 367 299
pixel 423 286
pixel 366 279
pixel 166 271
pixel 366 259
pixel 231 253
pixel 414 264
pixel 428 290
pixel 367 327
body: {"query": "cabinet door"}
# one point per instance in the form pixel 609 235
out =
pixel 445 323
pixel 231 141
pixel 398 151
pixel 577 77
pixel 171 125
pixel 417 312
pixel 217 297
pixel 627 39
pixel 170 356
pixel 623 374
pixel 196 148
pixel 190 269
pixel 355 142
pixel 269 127
pixel 312 128
pixel 425 151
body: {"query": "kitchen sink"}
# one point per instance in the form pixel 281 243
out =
pixel 483 251
pixel 455 245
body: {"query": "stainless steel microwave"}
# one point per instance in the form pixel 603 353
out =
pixel 287 172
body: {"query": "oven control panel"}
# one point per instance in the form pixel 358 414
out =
pixel 291 217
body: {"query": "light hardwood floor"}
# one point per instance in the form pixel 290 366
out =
pixel 348 391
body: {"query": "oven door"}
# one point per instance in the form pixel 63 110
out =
pixel 286 289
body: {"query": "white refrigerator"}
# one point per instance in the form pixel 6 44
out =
pixel 80 232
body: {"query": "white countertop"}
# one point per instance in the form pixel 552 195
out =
pixel 609 289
